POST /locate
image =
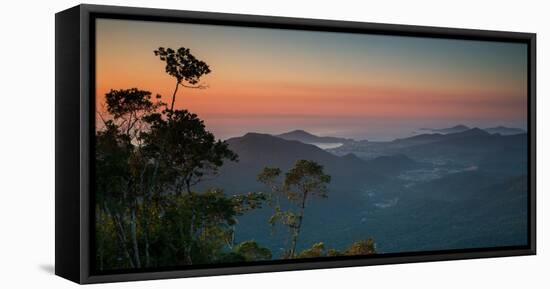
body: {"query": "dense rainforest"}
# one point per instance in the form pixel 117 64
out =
pixel 150 157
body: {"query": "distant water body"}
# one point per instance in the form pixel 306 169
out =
pixel 354 128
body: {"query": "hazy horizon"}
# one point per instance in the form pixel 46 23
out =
pixel 380 133
pixel 358 86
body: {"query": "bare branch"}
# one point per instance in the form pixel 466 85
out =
pixel 102 118
pixel 200 86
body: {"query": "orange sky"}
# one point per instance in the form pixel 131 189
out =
pixel 277 75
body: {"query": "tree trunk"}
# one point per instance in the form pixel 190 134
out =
pixel 147 256
pixel 146 233
pixel 133 232
pixel 232 241
pixel 298 227
pixel 188 185
pixel 146 215
pixel 121 236
pixel 174 97
pixel 189 245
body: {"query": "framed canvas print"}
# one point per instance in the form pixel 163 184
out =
pixel 192 144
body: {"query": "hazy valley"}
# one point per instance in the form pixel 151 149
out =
pixel 456 188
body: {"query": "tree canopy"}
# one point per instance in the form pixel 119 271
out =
pixel 183 66
pixel 149 159
pixel 305 178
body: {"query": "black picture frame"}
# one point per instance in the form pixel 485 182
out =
pixel 74 118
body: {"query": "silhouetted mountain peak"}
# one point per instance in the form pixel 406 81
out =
pixel 298 132
pixel 437 137
pixel 421 138
pixel 258 145
pixel 256 151
pixel 306 137
pixel 470 132
pixel 503 130
pixel 454 129
pixel 460 126
pixel 260 139
pixel 254 135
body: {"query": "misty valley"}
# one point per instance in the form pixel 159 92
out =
pixel 441 190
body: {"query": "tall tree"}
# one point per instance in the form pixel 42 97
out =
pixel 147 162
pixel 305 179
pixel 197 227
pixel 187 152
pixel 112 151
pixel 183 66
pixel 183 153
pixel 190 151
pixel 121 166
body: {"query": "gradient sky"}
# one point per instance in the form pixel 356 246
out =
pixel 352 85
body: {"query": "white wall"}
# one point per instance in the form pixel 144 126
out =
pixel 27 143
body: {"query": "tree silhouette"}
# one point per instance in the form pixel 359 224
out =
pixel 187 152
pixel 147 162
pixel 120 166
pixel 183 66
pixel 128 107
pixel 305 179
pixel 112 152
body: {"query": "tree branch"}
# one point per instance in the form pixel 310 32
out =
pixel 200 86
pixel 102 118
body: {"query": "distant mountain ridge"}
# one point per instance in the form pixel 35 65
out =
pixel 491 197
pixel 503 130
pixel 264 149
pixel 454 129
pixel 256 151
pixel 306 137
pixel 434 137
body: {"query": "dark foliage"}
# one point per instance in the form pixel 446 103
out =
pixel 147 163
pixel 183 66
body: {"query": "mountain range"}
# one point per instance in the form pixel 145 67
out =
pixel 434 137
pixel 504 130
pixel 476 197
pixel 492 130
pixel 355 163
pixel 306 137
pixel 454 129
pixel 257 151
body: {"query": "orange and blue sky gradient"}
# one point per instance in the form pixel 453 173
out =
pixel 351 85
